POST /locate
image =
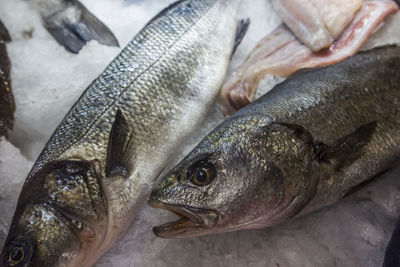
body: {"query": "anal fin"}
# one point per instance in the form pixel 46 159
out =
pixel 120 148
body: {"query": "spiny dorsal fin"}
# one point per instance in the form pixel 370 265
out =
pixel 348 148
pixel 241 31
pixel 120 148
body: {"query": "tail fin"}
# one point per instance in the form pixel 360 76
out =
pixel 73 32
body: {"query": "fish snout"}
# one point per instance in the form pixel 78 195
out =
pixel 163 191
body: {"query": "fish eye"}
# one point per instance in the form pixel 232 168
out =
pixel 201 173
pixel 18 252
pixel 16 255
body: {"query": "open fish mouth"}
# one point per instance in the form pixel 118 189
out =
pixel 191 220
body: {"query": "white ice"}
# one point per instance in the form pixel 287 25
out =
pixel 46 82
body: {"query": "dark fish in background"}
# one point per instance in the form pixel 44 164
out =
pixel 72 25
pixel 303 145
pixel 392 254
pixel 7 104
pixel 102 161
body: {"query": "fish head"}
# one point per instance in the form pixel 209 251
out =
pixel 46 230
pixel 250 174
pixel 39 238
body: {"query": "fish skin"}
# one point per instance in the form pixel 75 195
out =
pixel 7 104
pixel 72 25
pixel 127 124
pixel 301 146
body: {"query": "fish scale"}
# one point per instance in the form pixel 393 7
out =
pixel 305 144
pixel 143 51
pixel 123 131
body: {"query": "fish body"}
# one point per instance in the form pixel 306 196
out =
pixel 7 104
pixel 303 145
pixel 100 164
pixel 72 25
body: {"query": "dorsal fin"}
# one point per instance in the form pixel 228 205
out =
pixel 120 148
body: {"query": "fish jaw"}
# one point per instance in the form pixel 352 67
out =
pixel 191 221
pixel 61 218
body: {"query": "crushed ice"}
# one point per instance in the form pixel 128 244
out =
pixel 47 80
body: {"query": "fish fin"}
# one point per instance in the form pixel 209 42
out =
pixel 348 148
pixel 119 148
pixel 4 35
pixel 74 33
pixel 241 31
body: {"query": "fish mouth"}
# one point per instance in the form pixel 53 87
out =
pixel 192 220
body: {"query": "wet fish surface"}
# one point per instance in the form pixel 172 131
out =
pixel 72 25
pixel 304 145
pixel 7 104
pixel 100 164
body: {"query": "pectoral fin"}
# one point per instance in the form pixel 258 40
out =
pixel 348 148
pixel 240 33
pixel 120 148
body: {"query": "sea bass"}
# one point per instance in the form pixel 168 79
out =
pixel 100 164
pixel 7 104
pixel 72 25
pixel 303 145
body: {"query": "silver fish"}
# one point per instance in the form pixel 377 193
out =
pixel 72 25
pixel 302 146
pixel 100 164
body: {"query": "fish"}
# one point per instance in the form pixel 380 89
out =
pixel 281 53
pixel 7 103
pixel 100 164
pixel 304 145
pixel 72 25
pixel 392 254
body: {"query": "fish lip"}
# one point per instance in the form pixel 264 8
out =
pixel 190 219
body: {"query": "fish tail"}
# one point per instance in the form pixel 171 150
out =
pixel 73 32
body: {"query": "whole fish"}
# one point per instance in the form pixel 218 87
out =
pixel 7 104
pixel 303 145
pixel 100 164
pixel 72 25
